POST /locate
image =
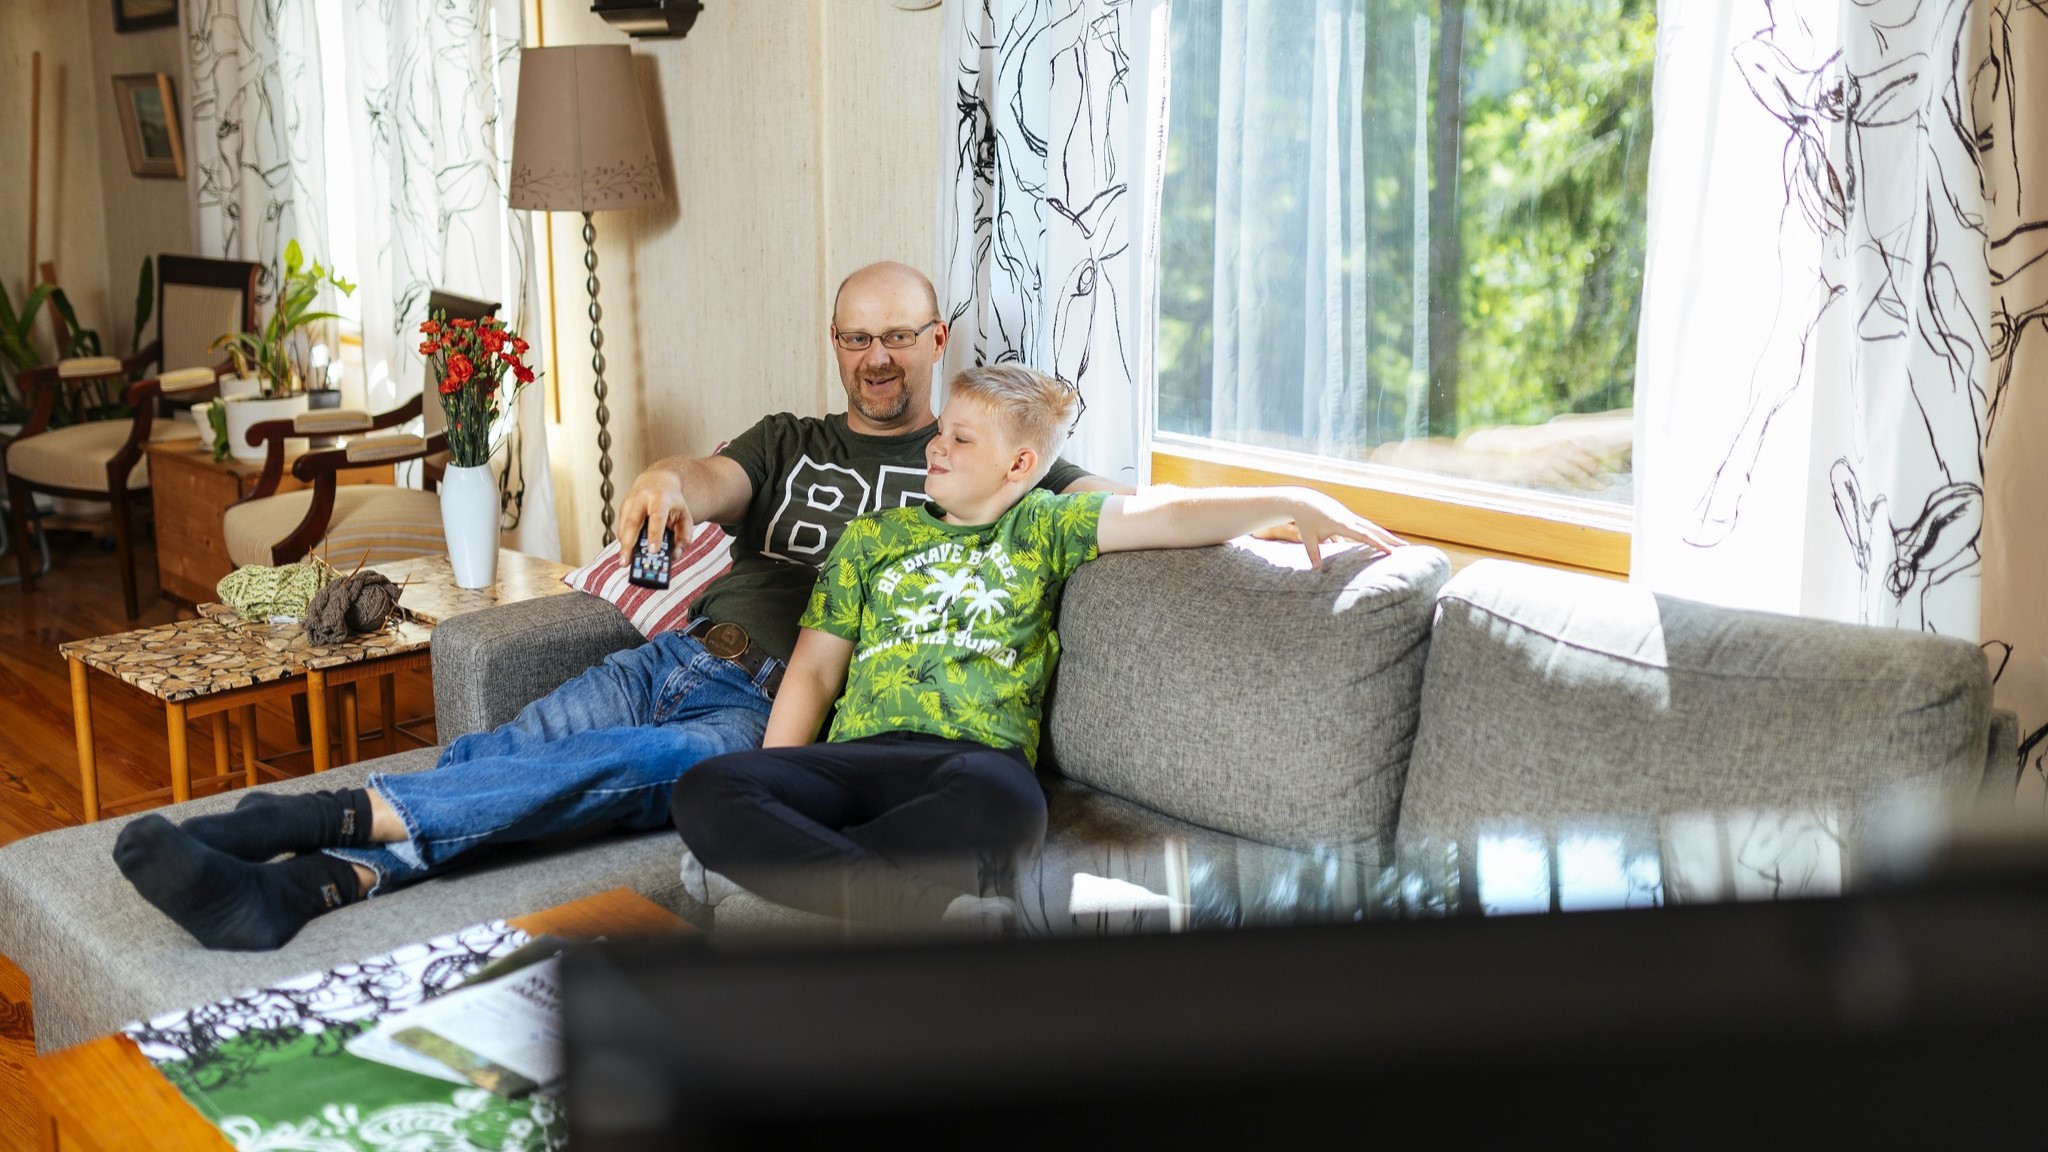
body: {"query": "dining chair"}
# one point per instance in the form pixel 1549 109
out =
pixel 353 523
pixel 95 460
pixel 345 524
pixel 198 300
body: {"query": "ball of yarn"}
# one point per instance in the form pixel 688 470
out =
pixel 360 603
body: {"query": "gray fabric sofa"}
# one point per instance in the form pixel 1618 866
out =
pixel 1265 721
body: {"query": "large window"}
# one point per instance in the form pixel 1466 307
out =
pixel 1408 235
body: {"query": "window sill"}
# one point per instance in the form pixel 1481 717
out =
pixel 1465 517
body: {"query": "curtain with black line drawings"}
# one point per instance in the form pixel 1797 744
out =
pixel 1841 352
pixel 427 128
pixel 429 101
pixel 252 71
pixel 1055 120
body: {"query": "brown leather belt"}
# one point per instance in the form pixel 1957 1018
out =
pixel 730 642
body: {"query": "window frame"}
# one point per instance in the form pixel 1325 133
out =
pixel 1459 515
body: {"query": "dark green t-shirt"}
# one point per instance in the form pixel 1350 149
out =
pixel 952 625
pixel 811 477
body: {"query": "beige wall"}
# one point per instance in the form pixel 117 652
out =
pixel 799 140
pixel 70 230
pixel 97 221
pixel 144 216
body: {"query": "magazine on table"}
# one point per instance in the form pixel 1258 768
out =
pixel 501 1031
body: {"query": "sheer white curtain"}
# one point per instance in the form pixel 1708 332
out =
pixel 1049 201
pixel 1848 270
pixel 428 124
pixel 1290 227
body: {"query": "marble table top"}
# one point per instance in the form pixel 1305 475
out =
pixel 185 659
pixel 222 650
pixel 431 596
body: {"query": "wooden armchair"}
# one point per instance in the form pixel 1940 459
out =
pixel 198 300
pixel 378 523
pixel 98 460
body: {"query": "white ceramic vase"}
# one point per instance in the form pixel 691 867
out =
pixel 247 411
pixel 469 519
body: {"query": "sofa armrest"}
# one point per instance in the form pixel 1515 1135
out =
pixel 491 663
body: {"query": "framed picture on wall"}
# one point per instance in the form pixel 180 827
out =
pixel 135 15
pixel 149 123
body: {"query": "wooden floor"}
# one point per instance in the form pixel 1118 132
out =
pixel 81 597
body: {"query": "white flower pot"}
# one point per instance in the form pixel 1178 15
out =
pixel 235 387
pixel 469 520
pixel 248 411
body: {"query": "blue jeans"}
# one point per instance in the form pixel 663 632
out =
pixel 604 748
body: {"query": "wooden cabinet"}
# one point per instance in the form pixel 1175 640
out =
pixel 191 492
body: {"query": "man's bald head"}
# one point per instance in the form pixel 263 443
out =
pixel 886 276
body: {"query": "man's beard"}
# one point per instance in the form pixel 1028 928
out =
pixel 885 410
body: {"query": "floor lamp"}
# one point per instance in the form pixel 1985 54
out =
pixel 581 144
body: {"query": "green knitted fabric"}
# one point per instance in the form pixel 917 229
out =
pixel 261 593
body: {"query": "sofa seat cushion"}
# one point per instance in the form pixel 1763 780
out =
pixel 1235 689
pixel 1553 697
pixel 75 456
pixel 97 956
pixel 371 523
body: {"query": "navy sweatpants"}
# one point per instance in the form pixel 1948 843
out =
pixel 890 827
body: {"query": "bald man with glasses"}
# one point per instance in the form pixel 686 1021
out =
pixel 608 746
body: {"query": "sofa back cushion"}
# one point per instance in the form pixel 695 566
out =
pixel 1552 697
pixel 1233 688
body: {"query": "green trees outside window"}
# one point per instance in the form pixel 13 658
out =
pixel 1409 232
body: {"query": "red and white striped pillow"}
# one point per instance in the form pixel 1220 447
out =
pixel 706 556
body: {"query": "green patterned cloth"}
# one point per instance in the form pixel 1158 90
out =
pixel 297 1089
pixel 270 1069
pixel 952 625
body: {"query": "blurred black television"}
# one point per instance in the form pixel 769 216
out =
pixel 1878 1019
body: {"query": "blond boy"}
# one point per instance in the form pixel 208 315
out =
pixel 931 629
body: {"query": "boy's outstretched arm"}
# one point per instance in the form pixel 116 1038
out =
pixel 1166 517
pixel 813 680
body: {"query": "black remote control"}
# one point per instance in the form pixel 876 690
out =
pixel 650 562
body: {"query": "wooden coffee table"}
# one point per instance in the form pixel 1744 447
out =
pixel 223 663
pixel 104 1095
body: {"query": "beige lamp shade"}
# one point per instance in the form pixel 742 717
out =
pixel 580 143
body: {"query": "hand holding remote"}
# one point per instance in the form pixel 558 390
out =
pixel 649 564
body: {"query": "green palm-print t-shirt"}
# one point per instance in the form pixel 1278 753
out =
pixel 952 625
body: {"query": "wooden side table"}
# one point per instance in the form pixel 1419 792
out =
pixel 104 1095
pixel 197 668
pixel 190 492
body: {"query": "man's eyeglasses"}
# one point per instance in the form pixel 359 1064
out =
pixel 894 338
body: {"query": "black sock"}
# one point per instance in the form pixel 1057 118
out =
pixel 225 903
pixel 269 824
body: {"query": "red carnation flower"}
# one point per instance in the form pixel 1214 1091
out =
pixel 431 328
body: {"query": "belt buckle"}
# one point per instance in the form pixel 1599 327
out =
pixel 726 641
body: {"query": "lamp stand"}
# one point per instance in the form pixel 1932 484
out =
pixel 604 414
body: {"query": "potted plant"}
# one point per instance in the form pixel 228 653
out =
pixel 272 365
pixel 467 360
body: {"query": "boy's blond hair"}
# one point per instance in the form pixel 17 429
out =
pixel 1033 409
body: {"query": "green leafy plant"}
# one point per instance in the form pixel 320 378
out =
pixel 279 353
pixel 217 424
pixel 17 346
